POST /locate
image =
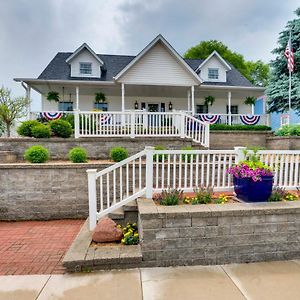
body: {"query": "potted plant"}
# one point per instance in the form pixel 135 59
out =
pixel 100 98
pixel 253 180
pixel 209 100
pixel 53 96
pixel 250 100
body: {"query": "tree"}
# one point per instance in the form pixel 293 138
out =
pixel 278 88
pixel 11 109
pixel 256 72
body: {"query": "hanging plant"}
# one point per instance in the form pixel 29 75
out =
pixel 100 97
pixel 53 96
pixel 209 100
pixel 250 100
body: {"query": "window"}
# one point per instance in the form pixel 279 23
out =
pixel 234 109
pixel 85 68
pixel 65 106
pixel 201 109
pixel 213 73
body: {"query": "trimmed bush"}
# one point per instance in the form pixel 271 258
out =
pixel 61 128
pixel 159 156
pixel 36 154
pixel 41 131
pixel 240 127
pixel 118 153
pixel 288 130
pixel 69 118
pixel 25 129
pixel 78 155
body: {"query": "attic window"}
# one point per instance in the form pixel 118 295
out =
pixel 213 73
pixel 85 68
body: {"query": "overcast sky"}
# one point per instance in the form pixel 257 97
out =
pixel 33 31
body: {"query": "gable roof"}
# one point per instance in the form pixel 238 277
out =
pixel 165 43
pixel 59 69
pixel 78 50
pixel 221 59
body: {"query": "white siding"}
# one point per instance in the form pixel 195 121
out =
pixel 213 63
pixel 158 67
pixel 85 56
pixel 86 103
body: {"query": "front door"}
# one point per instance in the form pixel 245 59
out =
pixel 153 107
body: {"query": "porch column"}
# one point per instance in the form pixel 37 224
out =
pixel 229 108
pixel 123 97
pixel 193 100
pixel 189 100
pixel 77 97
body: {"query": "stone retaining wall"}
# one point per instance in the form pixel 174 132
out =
pixel 218 234
pixel 43 192
pixel 98 148
pixel 283 143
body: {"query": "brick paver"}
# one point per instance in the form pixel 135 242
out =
pixel 35 247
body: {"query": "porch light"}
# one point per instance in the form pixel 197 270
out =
pixel 136 105
pixel 170 105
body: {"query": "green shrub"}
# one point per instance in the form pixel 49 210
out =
pixel 187 157
pixel 36 154
pixel 118 153
pixel 69 118
pixel 288 130
pixel 78 155
pixel 240 127
pixel 25 129
pixel 41 131
pixel 203 195
pixel 170 197
pixel 61 128
pixel 159 157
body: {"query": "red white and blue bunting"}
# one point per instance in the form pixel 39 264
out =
pixel 249 119
pixel 51 115
pixel 211 119
pixel 104 119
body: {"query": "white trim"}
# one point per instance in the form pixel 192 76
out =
pixel 159 38
pixel 78 50
pixel 66 82
pixel 214 53
pixel 226 87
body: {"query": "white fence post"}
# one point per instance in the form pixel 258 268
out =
pixel 182 124
pixel 92 197
pixel 207 141
pixel 76 123
pixel 240 153
pixel 132 124
pixel 149 171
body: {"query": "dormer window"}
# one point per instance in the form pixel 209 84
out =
pixel 213 73
pixel 86 68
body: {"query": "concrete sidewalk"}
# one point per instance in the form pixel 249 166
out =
pixel 270 280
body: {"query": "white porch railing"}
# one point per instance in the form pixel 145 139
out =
pixel 150 171
pixel 141 124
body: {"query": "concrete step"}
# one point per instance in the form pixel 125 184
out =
pixel 118 214
pixel 7 156
pixel 131 206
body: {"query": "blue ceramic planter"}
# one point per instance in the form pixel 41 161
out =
pixel 249 191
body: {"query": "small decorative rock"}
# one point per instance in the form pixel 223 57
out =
pixel 107 231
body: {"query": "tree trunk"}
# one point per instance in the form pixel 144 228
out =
pixel 8 130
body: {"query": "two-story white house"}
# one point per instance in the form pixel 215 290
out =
pixel 157 79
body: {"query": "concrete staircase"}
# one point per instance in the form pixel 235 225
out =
pixel 126 214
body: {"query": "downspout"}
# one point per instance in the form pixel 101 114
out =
pixel 27 89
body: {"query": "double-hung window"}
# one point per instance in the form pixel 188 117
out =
pixel 86 68
pixel 213 73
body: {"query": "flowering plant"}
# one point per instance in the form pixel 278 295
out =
pixel 250 169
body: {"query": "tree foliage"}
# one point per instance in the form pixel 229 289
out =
pixel 256 72
pixel 278 88
pixel 11 109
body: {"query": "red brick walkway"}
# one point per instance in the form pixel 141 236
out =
pixel 35 247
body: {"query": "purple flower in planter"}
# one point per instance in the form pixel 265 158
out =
pixel 249 169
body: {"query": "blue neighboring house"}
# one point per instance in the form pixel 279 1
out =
pixel 275 118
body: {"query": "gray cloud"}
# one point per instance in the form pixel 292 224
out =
pixel 32 32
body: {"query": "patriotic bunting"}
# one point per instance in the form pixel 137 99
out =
pixel 51 115
pixel 249 119
pixel 211 119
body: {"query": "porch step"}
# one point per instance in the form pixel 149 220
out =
pixel 84 256
pixel 7 156
pixel 118 214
